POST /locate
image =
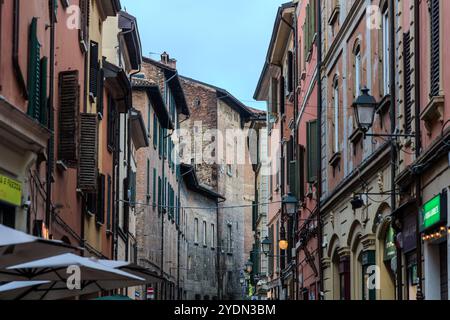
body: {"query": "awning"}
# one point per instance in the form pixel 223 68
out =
pixel 18 247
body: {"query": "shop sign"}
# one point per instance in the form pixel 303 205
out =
pixel 390 249
pixel 10 191
pixel 434 212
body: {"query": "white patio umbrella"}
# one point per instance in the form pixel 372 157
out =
pixel 149 276
pixel 56 269
pixel 17 288
pixel 94 277
pixel 18 247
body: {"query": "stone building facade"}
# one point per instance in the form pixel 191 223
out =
pixel 215 115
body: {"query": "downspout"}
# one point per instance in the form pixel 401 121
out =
pixel 319 142
pixel 16 33
pixel 419 295
pixel 392 89
pixel 50 118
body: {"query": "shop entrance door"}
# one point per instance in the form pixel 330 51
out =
pixel 443 270
pixel 8 215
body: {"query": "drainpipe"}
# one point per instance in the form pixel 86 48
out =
pixel 16 33
pixel 392 89
pixel 319 142
pixel 420 295
pixel 50 118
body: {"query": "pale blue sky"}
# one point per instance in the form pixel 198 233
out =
pixel 221 42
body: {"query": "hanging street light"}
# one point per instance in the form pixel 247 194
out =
pixel 290 204
pixel 265 246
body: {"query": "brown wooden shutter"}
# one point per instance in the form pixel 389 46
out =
pixel 69 105
pixel 407 82
pixel 312 150
pixel 435 47
pixel 84 24
pixel 87 170
pixel 93 68
pixel 100 88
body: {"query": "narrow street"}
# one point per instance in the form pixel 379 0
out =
pixel 227 151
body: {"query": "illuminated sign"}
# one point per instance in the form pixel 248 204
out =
pixel 434 212
pixel 10 191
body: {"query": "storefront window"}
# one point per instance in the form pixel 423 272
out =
pixel 367 263
pixel 344 278
pixel 411 275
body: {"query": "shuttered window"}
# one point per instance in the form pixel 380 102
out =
pixel 290 80
pixel 148 180
pixel 155 131
pixel 100 88
pixel 43 114
pixel 154 189
pixel 282 95
pixel 407 82
pixel 301 172
pixel 108 203
pixel 34 73
pixel 84 24
pixel 111 123
pixel 312 150
pixel 69 100
pixel 271 251
pixel 87 171
pixel 132 188
pixel 160 194
pixel 93 68
pixel 435 47
pixel 254 215
pixel 100 214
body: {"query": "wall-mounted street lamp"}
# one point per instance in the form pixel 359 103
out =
pixel 290 204
pixel 249 267
pixel 283 243
pixel 364 108
pixel 265 246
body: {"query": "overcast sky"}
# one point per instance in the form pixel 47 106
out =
pixel 221 42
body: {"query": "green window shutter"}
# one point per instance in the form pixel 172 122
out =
pixel 293 172
pixel 301 172
pixel 154 189
pixel 93 68
pixel 34 68
pixel 312 150
pixel 165 142
pixel 159 194
pixel 148 178
pixel 43 92
pixel 160 142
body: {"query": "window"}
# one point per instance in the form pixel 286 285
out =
pixel 196 231
pixel 344 278
pixel 336 116
pixel 230 238
pixel 94 66
pixel 274 96
pixel 69 99
pixel 386 51
pixel 155 131
pixel 100 213
pixel 148 181
pixel 205 236
pixel 357 71
pixel 229 170
pixel 435 47
pixel 213 236
pixel 408 85
pixel 111 105
pixel 312 151
pixel 159 194
pixel 149 120
pixel 108 203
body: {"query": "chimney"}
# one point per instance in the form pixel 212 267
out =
pixel 165 59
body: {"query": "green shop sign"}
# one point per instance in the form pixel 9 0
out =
pixel 433 213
